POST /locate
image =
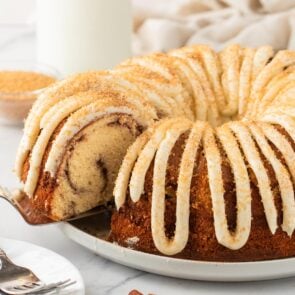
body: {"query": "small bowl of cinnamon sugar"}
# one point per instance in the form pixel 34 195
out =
pixel 20 84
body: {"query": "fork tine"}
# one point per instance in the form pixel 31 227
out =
pixel 55 287
pixel 44 289
pixel 28 285
pixel 67 285
pixel 31 284
pixel 57 290
pixel 60 283
pixel 24 289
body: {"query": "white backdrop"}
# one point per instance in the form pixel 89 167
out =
pixel 165 24
pixel 16 11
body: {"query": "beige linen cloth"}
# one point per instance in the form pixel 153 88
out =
pixel 160 25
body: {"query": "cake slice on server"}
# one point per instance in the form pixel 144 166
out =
pixel 75 138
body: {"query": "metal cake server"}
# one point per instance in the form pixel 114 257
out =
pixel 20 202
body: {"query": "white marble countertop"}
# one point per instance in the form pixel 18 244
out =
pixel 100 276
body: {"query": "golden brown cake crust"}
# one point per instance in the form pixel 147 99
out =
pixel 202 243
pixel 46 184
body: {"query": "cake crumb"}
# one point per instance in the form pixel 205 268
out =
pixel 132 241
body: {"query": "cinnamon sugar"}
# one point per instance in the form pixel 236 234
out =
pixel 18 91
pixel 22 81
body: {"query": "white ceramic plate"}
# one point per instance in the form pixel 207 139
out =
pixel 47 265
pixel 84 234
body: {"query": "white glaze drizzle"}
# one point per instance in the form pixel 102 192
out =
pixel 280 86
pixel 245 79
pixel 213 69
pixel 230 59
pixel 166 246
pixel 130 158
pixel 282 144
pixel 243 193
pixel 252 155
pixel 145 158
pixel 122 181
pixel 184 184
pixel 198 98
pixel 285 121
pixel 210 111
pixel 262 56
pixel 163 66
pixel 280 61
pixel 46 100
pixel 154 78
pixel 151 91
pixel 282 175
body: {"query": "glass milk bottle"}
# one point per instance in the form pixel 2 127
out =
pixel 81 35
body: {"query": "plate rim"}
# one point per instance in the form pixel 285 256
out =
pixel 73 232
pixel 36 246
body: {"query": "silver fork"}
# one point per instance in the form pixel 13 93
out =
pixel 21 203
pixel 17 280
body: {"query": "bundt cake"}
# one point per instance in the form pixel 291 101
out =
pixel 198 146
